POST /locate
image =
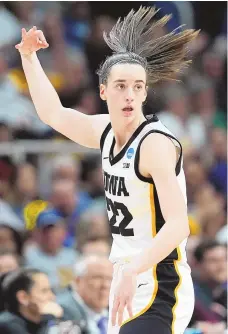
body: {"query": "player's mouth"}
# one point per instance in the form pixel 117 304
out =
pixel 127 111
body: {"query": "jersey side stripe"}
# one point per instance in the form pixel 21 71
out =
pixel 177 287
pixel 160 221
pixel 154 270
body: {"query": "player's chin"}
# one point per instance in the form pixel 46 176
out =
pixel 128 114
pixel 128 118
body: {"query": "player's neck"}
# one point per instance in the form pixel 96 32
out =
pixel 123 133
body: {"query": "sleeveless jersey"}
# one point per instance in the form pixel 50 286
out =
pixel 132 201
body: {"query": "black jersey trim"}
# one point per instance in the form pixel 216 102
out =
pixel 120 155
pixel 104 135
pixel 137 156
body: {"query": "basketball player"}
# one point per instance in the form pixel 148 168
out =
pixel 144 182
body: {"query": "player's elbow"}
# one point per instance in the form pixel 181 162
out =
pixel 185 229
pixel 181 226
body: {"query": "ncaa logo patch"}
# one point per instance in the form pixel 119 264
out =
pixel 130 153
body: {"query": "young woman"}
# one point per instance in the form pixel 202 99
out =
pixel 143 176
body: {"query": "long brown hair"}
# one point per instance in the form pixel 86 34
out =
pixel 132 40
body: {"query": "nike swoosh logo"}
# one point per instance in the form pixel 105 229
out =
pixel 142 284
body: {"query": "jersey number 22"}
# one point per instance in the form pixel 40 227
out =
pixel 115 208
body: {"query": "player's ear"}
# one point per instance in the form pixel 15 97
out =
pixel 145 93
pixel 102 92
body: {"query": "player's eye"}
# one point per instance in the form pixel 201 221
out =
pixel 138 87
pixel 120 86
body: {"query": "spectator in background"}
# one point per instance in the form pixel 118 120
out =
pixel 70 203
pixel 88 102
pixel 66 67
pixel 76 19
pixel 11 32
pixel 87 299
pixel 29 302
pixel 49 254
pixel 27 13
pixel 97 246
pixel 22 114
pixel 7 167
pixel 8 217
pixel 177 116
pixel 25 188
pixel 209 210
pixel 210 280
pixel 6 134
pixel 203 100
pixel 196 177
pixel 93 224
pixel 10 238
pixel 9 261
pixel 7 172
pixel 218 170
pixel 95 49
pixel 93 177
pixel 59 167
pixel 65 167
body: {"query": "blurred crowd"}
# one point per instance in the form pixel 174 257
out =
pixel 62 267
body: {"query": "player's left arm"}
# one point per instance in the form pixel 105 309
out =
pixel 158 159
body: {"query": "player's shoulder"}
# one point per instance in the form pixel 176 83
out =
pixel 157 148
pixel 101 124
pixel 157 143
pixel 157 135
pixel 104 118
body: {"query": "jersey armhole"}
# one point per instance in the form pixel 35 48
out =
pixel 104 135
pixel 137 156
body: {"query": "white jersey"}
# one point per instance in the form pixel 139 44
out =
pixel 133 207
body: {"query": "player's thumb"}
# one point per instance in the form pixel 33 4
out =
pixel 17 46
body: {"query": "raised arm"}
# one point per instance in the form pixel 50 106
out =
pixel 83 129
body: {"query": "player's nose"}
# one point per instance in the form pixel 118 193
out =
pixel 129 95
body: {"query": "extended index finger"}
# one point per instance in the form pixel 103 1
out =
pixel 23 33
pixel 120 312
pixel 129 308
pixel 114 311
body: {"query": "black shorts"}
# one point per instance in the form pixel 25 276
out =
pixel 145 325
pixel 163 302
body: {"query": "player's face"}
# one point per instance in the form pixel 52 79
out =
pixel 125 91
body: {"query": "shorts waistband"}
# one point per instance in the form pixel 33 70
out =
pixel 122 260
pixel 129 259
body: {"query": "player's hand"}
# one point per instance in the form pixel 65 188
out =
pixel 123 297
pixel 31 41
